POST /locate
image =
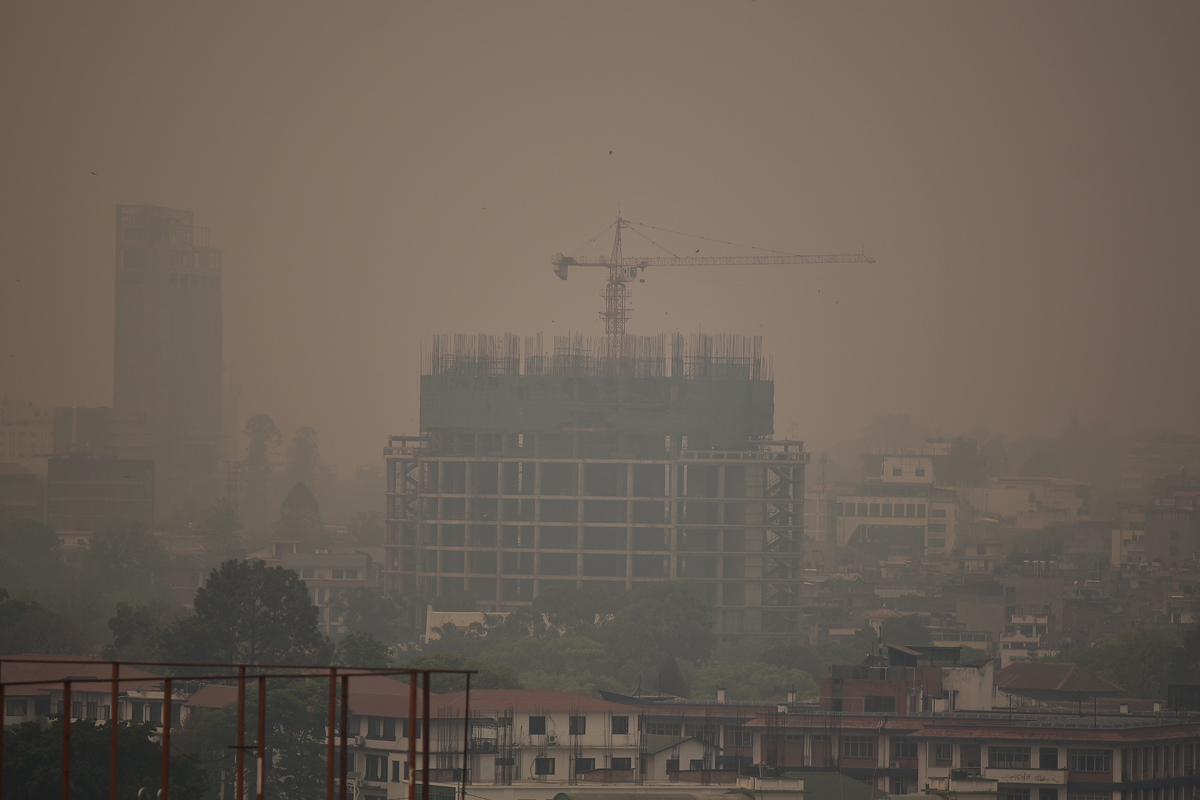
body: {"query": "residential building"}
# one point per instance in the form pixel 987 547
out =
pixel 328 575
pixel 1031 503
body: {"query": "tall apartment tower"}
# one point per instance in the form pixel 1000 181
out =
pixel 533 471
pixel 167 349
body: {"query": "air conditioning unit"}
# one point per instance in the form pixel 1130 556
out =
pixel 552 738
pixel 895 765
pixel 359 741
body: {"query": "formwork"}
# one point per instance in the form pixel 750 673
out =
pixel 535 470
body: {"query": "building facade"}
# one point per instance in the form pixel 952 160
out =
pixel 536 472
pixel 167 348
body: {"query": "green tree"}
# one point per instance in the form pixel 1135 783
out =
pixel 671 679
pixel 385 617
pixel 663 618
pixel 1140 662
pixel 490 675
pixel 906 630
pixel 362 650
pixel 300 519
pixel 135 632
pixel 127 559
pixel 30 561
pixel 249 613
pixel 26 627
pixel 221 528
pixel 297 711
pixel 33 762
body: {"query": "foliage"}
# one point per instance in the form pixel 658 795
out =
pixel 33 767
pixel 249 613
pixel 124 557
pixel 751 680
pixel 387 618
pixel 135 632
pixel 365 529
pixel 300 519
pixel 671 679
pixel 297 711
pixel 221 528
pixel 362 650
pixel 906 630
pixel 29 557
pixel 490 675
pixel 1140 662
pixel 660 619
pixel 26 627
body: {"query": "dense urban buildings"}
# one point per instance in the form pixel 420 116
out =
pixel 533 471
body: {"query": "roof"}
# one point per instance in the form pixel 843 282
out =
pixel 14 469
pixel 655 744
pixel 213 695
pixel 526 700
pixel 55 669
pixel 1046 680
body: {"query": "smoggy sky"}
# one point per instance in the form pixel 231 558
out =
pixel 1025 174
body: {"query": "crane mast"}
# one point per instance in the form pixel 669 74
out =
pixel 622 270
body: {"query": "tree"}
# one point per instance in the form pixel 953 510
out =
pixel 26 627
pixel 127 559
pixel 249 613
pixel 362 650
pixel 303 457
pixel 1140 662
pixel 490 675
pixel 33 767
pixel 29 557
pixel 221 528
pixel 663 618
pixel 135 632
pixel 297 711
pixel 300 519
pixel 387 618
pixel 671 679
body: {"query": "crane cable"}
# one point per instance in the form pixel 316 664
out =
pixel 707 239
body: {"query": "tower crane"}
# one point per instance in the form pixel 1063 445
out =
pixel 623 270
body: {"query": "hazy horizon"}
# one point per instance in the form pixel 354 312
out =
pixel 1025 175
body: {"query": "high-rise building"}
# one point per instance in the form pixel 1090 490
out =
pixel 167 348
pixel 532 472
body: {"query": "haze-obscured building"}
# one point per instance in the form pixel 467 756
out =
pixel 95 494
pixel 26 434
pixel 167 349
pixel 535 471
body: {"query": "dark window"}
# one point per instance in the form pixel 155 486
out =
pixel 887 509
pixel 1012 793
pixel 396 767
pixel 543 766
pixel 537 726
pixel 903 748
pixel 584 765
pixel 672 765
pixel 897 472
pixel 937 512
pixel 920 472
pixel 696 763
pixel 920 510
pixel 879 704
pixel 662 729
pixel 576 726
pixel 620 725
pixel 383 728
pixel 1048 758
pixel 376 768
pixel 858 746
pixel 404 729
pixel 337 574
pixel 874 509
pixel 1046 793
pixel 943 752
pixel 622 763
pixel 862 509
pixel 738 737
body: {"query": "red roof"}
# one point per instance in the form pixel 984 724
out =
pixel 213 695
pixel 527 700
pixel 1043 677
pixel 54 669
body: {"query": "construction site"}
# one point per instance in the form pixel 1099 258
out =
pixel 604 460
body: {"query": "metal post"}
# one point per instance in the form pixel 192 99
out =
pixel 345 730
pixel 3 711
pixel 66 756
pixel 425 733
pixel 166 741
pixel 112 723
pixel 240 776
pixel 412 736
pixel 466 736
pixel 262 737
pixel 329 736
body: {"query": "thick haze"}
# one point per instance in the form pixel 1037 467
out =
pixel 1026 176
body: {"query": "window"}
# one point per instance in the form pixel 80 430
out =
pixel 376 768
pixel 352 574
pixel 897 472
pixel 1048 758
pixel 672 765
pixel 858 746
pixel 705 733
pixel 543 766
pixel 1012 793
pixel 899 786
pixel 307 573
pixel 874 509
pixel 396 768
pixel 622 763
pixel 404 729
pixel 337 574
pixel 912 510
pixel 1174 536
pixel 943 752
pixel 661 729
pixel 862 509
pixel 383 728
pixel 738 737
pixel 937 527
pixel 696 763
pixel 920 510
pixel 874 703
pixel 1090 760
pixel 1085 795
pixel 537 727
pixel 904 748
pixel 576 726
pixel 16 707
pixel 584 765
pixel 1008 757
pixel 920 472
pixel 1047 793
pixel 937 513
pixel 620 725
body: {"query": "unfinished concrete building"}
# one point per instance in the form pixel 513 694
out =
pixel 535 470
